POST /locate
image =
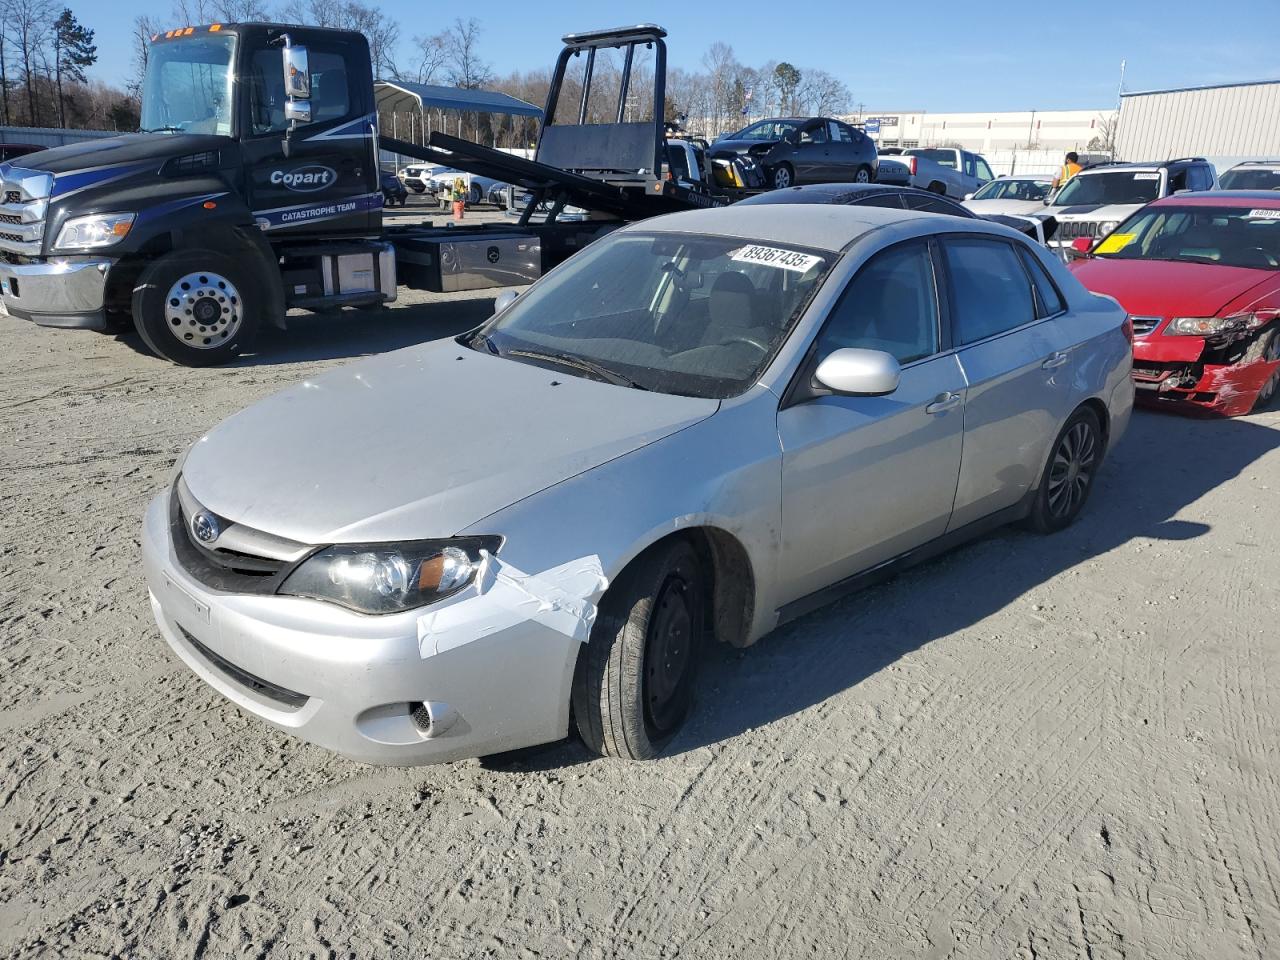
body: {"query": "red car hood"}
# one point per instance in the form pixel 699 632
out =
pixel 1162 288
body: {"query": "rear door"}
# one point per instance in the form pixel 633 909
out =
pixel 328 184
pixel 812 154
pixel 1016 350
pixel 867 478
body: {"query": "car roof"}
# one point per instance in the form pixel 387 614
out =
pixel 1257 163
pixel 1024 176
pixel 822 226
pixel 825 193
pixel 1264 199
pixel 1108 165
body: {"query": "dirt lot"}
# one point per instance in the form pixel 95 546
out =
pixel 1031 748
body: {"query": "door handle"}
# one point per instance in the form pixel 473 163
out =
pixel 943 403
pixel 1055 361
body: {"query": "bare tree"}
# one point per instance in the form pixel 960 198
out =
pixel 31 22
pixel 1105 141
pixel 144 28
pixel 433 54
pixel 821 94
pixel 462 55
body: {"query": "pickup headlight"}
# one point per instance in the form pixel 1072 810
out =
pixel 1215 326
pixel 389 577
pixel 96 230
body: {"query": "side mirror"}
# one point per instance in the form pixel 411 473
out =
pixel 1082 244
pixel 297 111
pixel 504 300
pixel 297 78
pixel 858 372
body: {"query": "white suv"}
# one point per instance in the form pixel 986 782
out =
pixel 1100 197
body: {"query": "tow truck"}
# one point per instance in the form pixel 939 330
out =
pixel 253 189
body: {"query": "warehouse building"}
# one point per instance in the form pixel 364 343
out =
pixel 1222 122
pixel 993 132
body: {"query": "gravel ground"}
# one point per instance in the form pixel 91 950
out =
pixel 1030 748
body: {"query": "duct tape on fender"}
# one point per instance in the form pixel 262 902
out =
pixel 558 598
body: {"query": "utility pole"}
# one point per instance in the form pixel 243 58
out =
pixel 1031 130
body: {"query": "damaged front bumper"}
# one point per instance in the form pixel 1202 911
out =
pixel 391 689
pixel 1223 377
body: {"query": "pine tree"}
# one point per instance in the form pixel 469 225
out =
pixel 73 50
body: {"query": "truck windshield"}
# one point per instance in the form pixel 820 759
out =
pixel 1107 188
pixel 187 86
pixel 675 313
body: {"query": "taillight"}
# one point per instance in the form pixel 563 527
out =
pixel 1127 327
pixel 912 164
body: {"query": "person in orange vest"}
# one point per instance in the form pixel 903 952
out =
pixel 1068 170
pixel 459 197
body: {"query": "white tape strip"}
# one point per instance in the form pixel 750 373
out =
pixel 506 596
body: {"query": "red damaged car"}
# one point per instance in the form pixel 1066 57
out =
pixel 1200 277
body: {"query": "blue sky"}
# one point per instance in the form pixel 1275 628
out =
pixel 909 54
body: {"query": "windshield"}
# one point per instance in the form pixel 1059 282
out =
pixel 1120 186
pixel 187 86
pixel 693 315
pixel 766 130
pixel 1014 190
pixel 946 158
pixel 1231 236
pixel 1250 178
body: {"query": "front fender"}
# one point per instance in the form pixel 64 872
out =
pixel 723 472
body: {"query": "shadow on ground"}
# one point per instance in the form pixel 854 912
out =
pixel 1163 465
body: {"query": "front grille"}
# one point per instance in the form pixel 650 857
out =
pixel 11 238
pixel 1144 325
pixel 285 697
pixel 26 202
pixel 11 218
pixel 1070 229
pixel 12 196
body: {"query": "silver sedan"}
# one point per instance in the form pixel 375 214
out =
pixel 698 428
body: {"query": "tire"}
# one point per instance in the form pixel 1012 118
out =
pixel 1266 347
pixel 624 701
pixel 938 188
pixel 178 290
pixel 862 175
pixel 1069 475
pixel 476 194
pixel 783 176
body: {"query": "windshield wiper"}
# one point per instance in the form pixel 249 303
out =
pixel 580 363
pixel 485 340
pixel 160 130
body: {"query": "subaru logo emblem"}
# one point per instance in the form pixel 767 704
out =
pixel 204 525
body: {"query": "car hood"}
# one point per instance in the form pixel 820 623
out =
pixel 1161 288
pixel 419 443
pixel 1020 208
pixel 1091 211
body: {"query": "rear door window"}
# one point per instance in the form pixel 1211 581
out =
pixel 1048 300
pixel 990 290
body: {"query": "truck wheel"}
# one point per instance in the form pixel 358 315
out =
pixel 783 176
pixel 197 308
pixel 938 188
pixel 1068 477
pixel 635 681
pixel 476 194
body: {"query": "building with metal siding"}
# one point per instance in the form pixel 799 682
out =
pixel 1229 120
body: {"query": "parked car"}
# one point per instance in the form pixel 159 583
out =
pixel 1252 175
pixel 1095 201
pixel 690 165
pixel 796 150
pixel 441 179
pixel 1023 195
pixel 416 176
pixel 1200 277
pixel 11 151
pixel 497 194
pixel 672 448
pixel 393 191
pixel 956 173
pixel 1039 228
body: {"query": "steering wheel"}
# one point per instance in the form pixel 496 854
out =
pixel 747 340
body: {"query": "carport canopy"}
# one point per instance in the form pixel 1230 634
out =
pixel 400 96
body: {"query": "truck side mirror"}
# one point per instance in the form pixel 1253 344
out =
pixel 297 78
pixel 297 111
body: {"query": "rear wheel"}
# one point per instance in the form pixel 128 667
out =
pixel 863 175
pixel 938 188
pixel 783 176
pixel 196 307
pixel 1068 477
pixel 476 194
pixel 634 684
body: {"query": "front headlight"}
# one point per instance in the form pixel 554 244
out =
pixel 1213 326
pixel 389 577
pixel 96 230
pixel 1107 226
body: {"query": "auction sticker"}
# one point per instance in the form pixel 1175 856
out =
pixel 776 257
pixel 1264 215
pixel 1115 242
pixel 1146 176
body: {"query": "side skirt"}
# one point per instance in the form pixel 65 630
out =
pixel 891 568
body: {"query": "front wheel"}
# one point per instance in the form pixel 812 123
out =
pixel 634 683
pixel 1068 477
pixel 783 176
pixel 197 308
pixel 1266 348
pixel 863 175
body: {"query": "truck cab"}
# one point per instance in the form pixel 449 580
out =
pixel 252 187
